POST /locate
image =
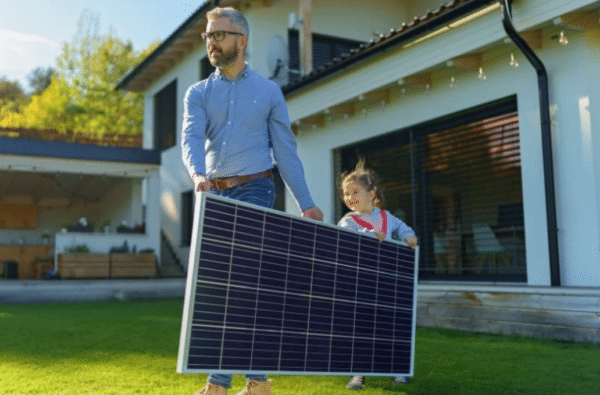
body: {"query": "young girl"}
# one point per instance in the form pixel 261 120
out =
pixel 365 199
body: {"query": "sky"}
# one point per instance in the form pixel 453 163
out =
pixel 32 31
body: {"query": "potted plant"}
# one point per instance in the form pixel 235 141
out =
pixel 64 224
pixel 81 226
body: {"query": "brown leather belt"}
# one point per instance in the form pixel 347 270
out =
pixel 230 182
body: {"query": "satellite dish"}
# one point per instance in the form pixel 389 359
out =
pixel 278 59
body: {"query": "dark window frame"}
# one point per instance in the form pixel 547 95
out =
pixel 325 49
pixel 165 117
pixel 188 200
pixel 423 203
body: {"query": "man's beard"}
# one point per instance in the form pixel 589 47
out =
pixel 221 58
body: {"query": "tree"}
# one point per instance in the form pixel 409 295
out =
pixel 39 79
pixel 81 95
pixel 91 65
pixel 10 90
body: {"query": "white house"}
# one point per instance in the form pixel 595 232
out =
pixel 494 168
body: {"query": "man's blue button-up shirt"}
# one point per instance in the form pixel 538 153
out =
pixel 231 127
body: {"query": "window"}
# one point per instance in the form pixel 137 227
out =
pixel 279 190
pixel 457 182
pixel 206 68
pixel 165 116
pixel 187 217
pixel 325 48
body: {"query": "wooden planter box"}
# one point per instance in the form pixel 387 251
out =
pixel 132 265
pixel 83 265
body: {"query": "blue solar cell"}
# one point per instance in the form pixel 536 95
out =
pixel 268 292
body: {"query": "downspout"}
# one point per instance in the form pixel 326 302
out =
pixel 546 139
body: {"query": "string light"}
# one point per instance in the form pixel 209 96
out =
pixel 562 38
pixel 452 82
pixel 513 61
pixel 482 75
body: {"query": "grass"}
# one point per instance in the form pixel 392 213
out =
pixel 131 348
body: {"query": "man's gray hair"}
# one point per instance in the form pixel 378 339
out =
pixel 235 17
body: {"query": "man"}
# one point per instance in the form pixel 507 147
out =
pixel 232 122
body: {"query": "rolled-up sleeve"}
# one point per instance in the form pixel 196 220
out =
pixel 193 132
pixel 285 151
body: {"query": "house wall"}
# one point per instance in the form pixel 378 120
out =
pixel 574 135
pixel 117 212
pixel 174 179
pixel 576 176
pixel 578 231
pixel 525 311
pixel 48 221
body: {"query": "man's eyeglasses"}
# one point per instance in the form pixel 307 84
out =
pixel 218 36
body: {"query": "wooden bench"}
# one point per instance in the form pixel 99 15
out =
pixel 84 265
pixel 132 265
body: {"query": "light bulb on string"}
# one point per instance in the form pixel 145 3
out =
pixel 513 61
pixel 562 38
pixel 452 82
pixel 482 75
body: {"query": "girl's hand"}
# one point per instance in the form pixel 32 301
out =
pixel 380 236
pixel 411 241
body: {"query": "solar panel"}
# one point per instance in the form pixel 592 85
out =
pixel 272 293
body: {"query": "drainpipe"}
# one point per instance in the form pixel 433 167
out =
pixel 546 138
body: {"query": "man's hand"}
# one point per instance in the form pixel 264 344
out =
pixel 313 213
pixel 201 183
pixel 411 241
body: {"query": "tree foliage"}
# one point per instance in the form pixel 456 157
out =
pixel 39 79
pixel 81 95
pixel 10 90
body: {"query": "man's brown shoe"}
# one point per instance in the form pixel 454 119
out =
pixel 257 388
pixel 212 389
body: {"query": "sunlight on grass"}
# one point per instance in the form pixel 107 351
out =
pixel 131 348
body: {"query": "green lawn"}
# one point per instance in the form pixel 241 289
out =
pixel 131 348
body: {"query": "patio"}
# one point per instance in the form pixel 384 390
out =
pixel 61 291
pixel 60 198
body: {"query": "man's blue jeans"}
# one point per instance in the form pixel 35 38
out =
pixel 261 193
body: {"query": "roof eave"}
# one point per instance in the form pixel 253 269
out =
pixel 382 45
pixel 193 19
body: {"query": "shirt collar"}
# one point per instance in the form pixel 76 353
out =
pixel 243 74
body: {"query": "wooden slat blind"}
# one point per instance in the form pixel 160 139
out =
pixel 457 182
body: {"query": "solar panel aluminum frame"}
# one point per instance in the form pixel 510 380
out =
pixel 192 288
